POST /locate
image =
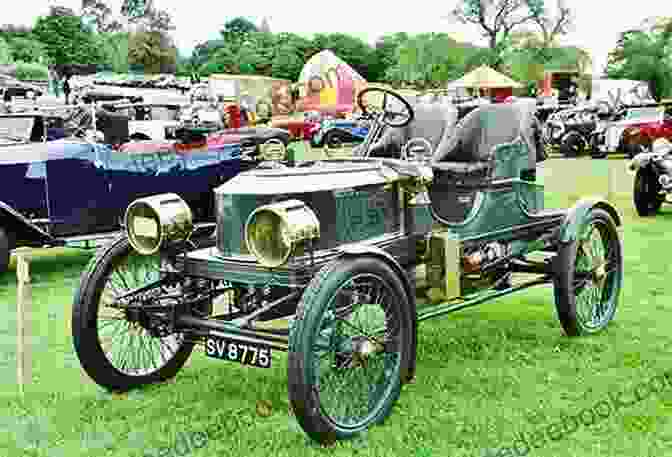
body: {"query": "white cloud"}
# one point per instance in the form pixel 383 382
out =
pixel 598 22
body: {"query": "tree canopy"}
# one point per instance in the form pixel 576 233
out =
pixel 522 41
pixel 643 54
pixel 65 38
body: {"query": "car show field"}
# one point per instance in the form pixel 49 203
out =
pixel 346 242
pixel 485 375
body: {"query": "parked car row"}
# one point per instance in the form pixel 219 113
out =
pixel 118 150
pixel 601 129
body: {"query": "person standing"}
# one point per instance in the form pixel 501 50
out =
pixel 66 89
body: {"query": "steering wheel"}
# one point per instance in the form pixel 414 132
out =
pixel 387 115
pixel 417 150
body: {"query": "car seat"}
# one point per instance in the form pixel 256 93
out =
pixel 492 143
pixel 434 122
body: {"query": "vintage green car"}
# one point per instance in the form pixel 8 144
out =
pixel 336 262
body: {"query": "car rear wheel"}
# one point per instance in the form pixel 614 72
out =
pixel 645 195
pixel 573 145
pixel 351 349
pixel 6 246
pixel 119 346
pixel 589 274
pixel 333 140
pixel 595 151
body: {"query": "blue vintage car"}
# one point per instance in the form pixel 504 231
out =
pixel 70 189
pixel 334 132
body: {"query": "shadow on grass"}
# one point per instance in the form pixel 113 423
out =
pixel 52 265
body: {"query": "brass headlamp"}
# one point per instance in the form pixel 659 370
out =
pixel 151 222
pixel 273 232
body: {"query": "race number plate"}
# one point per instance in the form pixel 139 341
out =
pixel 244 353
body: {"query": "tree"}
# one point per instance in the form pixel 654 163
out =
pixel 146 17
pixel 352 50
pixel 149 43
pixel 428 60
pixel 101 15
pixel 497 19
pixel 237 29
pixel 146 49
pixel 115 50
pixel 5 53
pixel 135 9
pixel 27 50
pixel 385 55
pixel 643 54
pixel 554 24
pixel 65 38
pixel 203 51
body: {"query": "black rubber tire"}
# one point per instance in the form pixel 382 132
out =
pixel 303 393
pixel 599 154
pixel 573 146
pixel 332 139
pixel 595 152
pixel 85 333
pixel 645 195
pixel 6 246
pixel 565 269
pixel 140 137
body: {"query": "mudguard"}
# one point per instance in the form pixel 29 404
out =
pixel 23 229
pixel 356 250
pixel 577 214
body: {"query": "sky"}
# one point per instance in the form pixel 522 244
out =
pixel 597 26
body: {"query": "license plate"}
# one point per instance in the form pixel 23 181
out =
pixel 245 353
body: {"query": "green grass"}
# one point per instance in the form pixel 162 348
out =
pixel 484 374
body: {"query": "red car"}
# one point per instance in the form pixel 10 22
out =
pixel 639 136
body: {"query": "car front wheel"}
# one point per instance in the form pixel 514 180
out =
pixel 119 344
pixel 351 349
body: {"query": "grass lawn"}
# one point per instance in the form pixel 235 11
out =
pixel 484 375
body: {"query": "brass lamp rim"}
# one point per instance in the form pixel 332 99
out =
pixel 279 209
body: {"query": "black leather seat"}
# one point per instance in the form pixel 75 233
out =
pixel 434 122
pixel 469 150
pixel 114 126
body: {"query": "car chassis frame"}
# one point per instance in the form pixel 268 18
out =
pixel 284 307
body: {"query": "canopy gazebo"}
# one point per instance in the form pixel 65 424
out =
pixel 484 77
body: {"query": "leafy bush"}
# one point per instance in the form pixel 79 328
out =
pixel 5 52
pixel 31 71
pixel 27 50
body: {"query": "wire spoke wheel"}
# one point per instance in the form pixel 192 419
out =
pixel 595 277
pixel 589 275
pixel 120 342
pixel 352 370
pixel 351 349
pixel 129 346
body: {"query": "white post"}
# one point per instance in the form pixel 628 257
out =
pixel 23 313
pixel 93 117
pixel 611 183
